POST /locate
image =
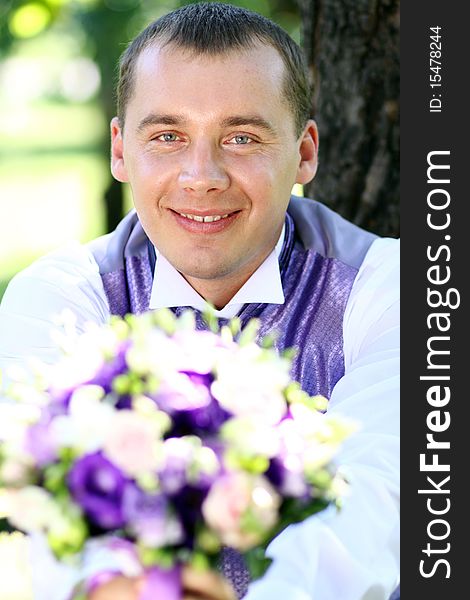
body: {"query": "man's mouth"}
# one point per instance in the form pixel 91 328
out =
pixel 207 221
pixel 203 219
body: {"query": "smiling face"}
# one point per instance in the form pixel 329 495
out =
pixel 210 151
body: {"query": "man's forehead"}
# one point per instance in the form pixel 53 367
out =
pixel 260 57
pixel 246 84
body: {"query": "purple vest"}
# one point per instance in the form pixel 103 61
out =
pixel 319 261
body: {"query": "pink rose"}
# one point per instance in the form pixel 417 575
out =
pixel 131 443
pixel 231 498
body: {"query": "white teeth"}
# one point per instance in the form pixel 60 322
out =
pixel 208 219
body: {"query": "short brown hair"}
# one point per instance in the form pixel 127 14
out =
pixel 214 28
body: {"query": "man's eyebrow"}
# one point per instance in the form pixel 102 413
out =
pixel 159 119
pixel 253 120
pixel 178 120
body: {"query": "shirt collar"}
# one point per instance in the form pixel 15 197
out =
pixel 170 288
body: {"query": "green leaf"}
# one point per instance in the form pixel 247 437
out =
pixel 165 319
pixel 156 557
pixel 121 384
pixel 235 326
pixel 200 561
pixel 257 561
pixel 269 340
pixel 249 332
pixel 67 535
pixel 210 318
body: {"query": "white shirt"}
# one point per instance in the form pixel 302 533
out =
pixel 351 555
pixel 170 288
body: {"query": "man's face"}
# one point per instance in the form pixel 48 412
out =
pixel 210 151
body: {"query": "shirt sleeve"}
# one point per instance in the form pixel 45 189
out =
pixel 65 279
pixel 353 554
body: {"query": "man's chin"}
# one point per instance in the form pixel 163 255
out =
pixel 204 272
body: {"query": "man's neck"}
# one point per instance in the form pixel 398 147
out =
pixel 219 292
pixel 257 281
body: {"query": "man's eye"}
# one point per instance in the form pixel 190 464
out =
pixel 168 137
pixel 241 140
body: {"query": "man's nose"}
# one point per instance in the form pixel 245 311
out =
pixel 203 170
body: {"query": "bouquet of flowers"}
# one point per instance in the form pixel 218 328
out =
pixel 176 441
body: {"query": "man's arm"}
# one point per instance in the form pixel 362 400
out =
pixel 353 554
pixel 67 278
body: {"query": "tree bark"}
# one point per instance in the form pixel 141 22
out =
pixel 352 49
pixel 106 28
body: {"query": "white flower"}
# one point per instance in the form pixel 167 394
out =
pixel 15 470
pixel 85 355
pixel 199 351
pixel 15 567
pixel 31 508
pixel 15 418
pixel 312 437
pixel 318 455
pixel 86 426
pixel 205 462
pixel 250 382
pixel 251 436
pixel 154 352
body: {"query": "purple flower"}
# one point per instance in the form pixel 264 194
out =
pixel 200 421
pixel 184 391
pixel 124 402
pixel 186 396
pixel 173 472
pixel 138 504
pixel 39 443
pixel 97 485
pixel 184 464
pixel 59 400
pixel 188 505
pixel 288 481
pixel 149 518
pixel 275 472
pixel 110 369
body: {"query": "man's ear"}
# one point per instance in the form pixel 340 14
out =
pixel 308 151
pixel 118 168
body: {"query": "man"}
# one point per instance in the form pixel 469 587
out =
pixel 212 133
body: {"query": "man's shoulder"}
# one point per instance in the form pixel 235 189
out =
pixel 72 273
pixel 328 233
pixel 64 265
pixel 111 250
pixel 66 277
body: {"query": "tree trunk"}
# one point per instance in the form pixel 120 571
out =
pixel 106 27
pixel 352 48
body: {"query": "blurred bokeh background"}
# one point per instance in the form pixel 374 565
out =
pixel 57 67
